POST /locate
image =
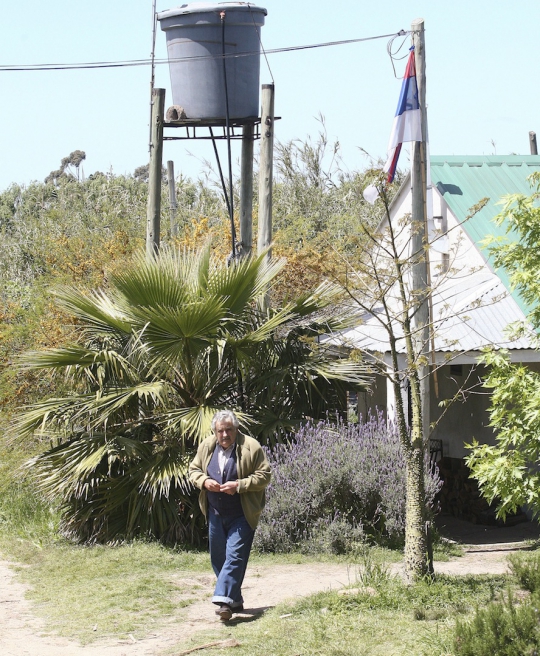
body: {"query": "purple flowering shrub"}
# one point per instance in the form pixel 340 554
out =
pixel 335 485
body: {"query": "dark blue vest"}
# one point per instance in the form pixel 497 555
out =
pixel 219 502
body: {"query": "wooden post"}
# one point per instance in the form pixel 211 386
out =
pixel 172 198
pixel 246 191
pixel 266 169
pixel 419 246
pixel 532 143
pixel 153 209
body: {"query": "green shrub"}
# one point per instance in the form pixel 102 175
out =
pixel 526 569
pixel 337 537
pixel 501 629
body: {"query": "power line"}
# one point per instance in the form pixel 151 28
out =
pixel 147 62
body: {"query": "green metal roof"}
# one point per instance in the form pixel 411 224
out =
pixel 465 181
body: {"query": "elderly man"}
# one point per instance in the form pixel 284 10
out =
pixel 232 473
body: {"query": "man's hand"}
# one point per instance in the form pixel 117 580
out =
pixel 231 487
pixel 211 485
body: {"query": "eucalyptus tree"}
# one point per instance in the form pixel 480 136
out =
pixel 166 345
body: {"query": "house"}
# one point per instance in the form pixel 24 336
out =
pixel 471 303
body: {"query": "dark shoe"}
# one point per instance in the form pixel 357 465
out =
pixel 225 613
pixel 238 609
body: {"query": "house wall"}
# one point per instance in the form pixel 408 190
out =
pixel 466 419
pixel 462 254
pixel 451 247
pixel 372 400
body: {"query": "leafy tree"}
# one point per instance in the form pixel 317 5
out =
pixel 169 342
pixel 142 173
pixel 319 212
pixel 508 472
pixel 74 159
pixel 315 193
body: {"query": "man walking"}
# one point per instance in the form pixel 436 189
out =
pixel 232 473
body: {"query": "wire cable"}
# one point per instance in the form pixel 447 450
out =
pixel 145 62
pixel 229 153
pixel 220 171
pixel 152 70
pixel 258 31
pixel 392 55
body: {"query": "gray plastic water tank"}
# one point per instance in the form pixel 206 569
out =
pixel 194 44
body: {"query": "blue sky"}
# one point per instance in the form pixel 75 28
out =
pixel 482 84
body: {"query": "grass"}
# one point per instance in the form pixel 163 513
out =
pixel 95 592
pixel 24 517
pixel 412 621
pixel 89 593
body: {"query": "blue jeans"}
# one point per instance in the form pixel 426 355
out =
pixel 230 544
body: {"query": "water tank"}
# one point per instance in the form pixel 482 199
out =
pixel 194 44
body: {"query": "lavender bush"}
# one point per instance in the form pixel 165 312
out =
pixel 336 485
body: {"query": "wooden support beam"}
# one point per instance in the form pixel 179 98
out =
pixel 266 165
pixel 172 198
pixel 153 209
pixel 246 190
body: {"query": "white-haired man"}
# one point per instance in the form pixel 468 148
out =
pixel 232 472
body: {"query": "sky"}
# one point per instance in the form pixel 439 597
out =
pixel 482 85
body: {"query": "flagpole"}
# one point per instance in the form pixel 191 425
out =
pixel 419 237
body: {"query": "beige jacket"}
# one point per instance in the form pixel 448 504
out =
pixel 253 475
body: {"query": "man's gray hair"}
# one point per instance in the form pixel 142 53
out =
pixel 224 415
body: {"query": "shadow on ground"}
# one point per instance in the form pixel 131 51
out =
pixel 465 532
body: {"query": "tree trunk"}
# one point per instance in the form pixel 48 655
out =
pixel 416 545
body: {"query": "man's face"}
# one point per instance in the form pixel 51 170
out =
pixel 225 433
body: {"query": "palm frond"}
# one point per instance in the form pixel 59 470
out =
pixel 38 416
pixel 176 332
pixel 241 284
pixel 103 408
pixel 95 310
pixel 99 366
pixel 166 467
pixel 152 283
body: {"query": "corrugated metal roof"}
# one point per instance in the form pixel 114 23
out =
pixel 465 181
pixel 468 314
pixel 474 311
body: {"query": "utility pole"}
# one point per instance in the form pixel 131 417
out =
pixel 419 238
pixel 266 169
pixel 418 532
pixel 172 198
pixel 246 190
pixel 532 143
pixel 153 209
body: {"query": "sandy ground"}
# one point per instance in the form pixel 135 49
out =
pixel 23 633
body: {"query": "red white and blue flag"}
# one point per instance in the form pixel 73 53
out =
pixel 407 125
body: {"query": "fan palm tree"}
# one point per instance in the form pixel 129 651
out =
pixel 170 342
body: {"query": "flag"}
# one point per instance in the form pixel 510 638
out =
pixel 407 125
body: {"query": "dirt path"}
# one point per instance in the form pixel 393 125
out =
pixel 22 633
